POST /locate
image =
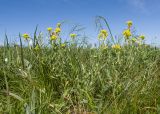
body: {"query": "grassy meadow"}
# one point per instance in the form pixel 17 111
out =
pixel 68 77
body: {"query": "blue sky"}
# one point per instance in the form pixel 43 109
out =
pixel 23 15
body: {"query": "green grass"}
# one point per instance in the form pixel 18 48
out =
pixel 56 80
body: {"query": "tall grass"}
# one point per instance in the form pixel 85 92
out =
pixel 79 79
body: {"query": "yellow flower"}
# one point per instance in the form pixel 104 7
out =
pixel 73 35
pixel 57 30
pixel 142 37
pixel 63 45
pixel 116 46
pixel 103 34
pixel 26 36
pixel 49 29
pixel 129 23
pixel 53 37
pixel 58 25
pixel 127 33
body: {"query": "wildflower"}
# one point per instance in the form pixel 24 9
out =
pixel 127 33
pixel 142 37
pixel 63 45
pixel 49 29
pixel 116 46
pixel 53 37
pixel 26 36
pixel 57 30
pixel 73 35
pixel 103 34
pixel 58 25
pixel 129 23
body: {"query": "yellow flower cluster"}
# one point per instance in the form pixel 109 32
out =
pixel 57 30
pixel 73 35
pixel 63 45
pixel 54 35
pixel 58 25
pixel 138 40
pixel 116 46
pixel 142 37
pixel 127 33
pixel 26 36
pixel 129 23
pixel 49 29
pixel 103 34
